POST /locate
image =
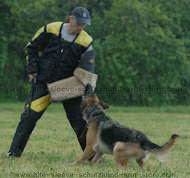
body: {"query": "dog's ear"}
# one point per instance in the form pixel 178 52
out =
pixel 104 105
pixel 88 90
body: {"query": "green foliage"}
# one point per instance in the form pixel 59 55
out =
pixel 142 47
pixel 141 60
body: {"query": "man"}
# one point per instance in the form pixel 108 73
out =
pixel 54 53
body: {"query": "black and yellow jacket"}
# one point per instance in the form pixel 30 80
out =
pixel 54 58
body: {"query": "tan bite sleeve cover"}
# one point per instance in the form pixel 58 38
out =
pixel 73 86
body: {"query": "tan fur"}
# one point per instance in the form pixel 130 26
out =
pixel 91 140
pixel 125 151
pixel 90 100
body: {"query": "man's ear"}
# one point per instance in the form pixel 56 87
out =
pixel 104 105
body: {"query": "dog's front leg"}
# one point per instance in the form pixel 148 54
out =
pixel 85 155
pixel 96 157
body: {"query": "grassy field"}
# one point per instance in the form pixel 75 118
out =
pixel 53 147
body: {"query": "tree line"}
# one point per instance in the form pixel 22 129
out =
pixel 142 47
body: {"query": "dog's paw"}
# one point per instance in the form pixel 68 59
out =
pixel 77 162
pixel 74 163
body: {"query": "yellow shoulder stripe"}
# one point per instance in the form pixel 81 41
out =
pixel 83 39
pixel 51 28
pixel 38 33
pixel 54 28
pixel 41 103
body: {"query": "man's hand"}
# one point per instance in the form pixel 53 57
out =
pixel 32 77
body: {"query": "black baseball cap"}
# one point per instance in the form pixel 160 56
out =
pixel 82 15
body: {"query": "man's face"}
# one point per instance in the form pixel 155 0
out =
pixel 74 26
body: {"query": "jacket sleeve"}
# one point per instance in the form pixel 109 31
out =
pixel 33 49
pixel 87 60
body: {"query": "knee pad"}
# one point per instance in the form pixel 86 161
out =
pixel 30 114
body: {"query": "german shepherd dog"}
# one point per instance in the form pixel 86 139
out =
pixel 106 136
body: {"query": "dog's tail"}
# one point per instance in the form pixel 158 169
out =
pixel 161 151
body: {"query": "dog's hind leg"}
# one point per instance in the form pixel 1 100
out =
pixel 121 162
pixel 140 162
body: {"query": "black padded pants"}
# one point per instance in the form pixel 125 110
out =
pixel 35 106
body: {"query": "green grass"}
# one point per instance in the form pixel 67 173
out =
pixel 52 147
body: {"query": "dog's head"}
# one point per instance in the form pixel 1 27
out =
pixel 92 107
pixel 90 98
